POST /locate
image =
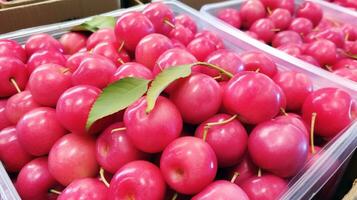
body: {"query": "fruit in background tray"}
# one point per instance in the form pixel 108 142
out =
pixel 251 11
pixel 42 41
pixel 72 42
pixel 231 16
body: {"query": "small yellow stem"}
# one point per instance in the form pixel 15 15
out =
pixel 55 191
pixel 14 83
pixel 235 175
pixel 312 127
pixel 119 129
pixel 259 172
pixel 102 177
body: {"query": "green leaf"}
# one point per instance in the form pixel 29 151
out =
pixel 96 23
pixel 164 79
pixel 116 97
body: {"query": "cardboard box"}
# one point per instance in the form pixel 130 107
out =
pixel 51 11
pixel 198 4
pixel 9 4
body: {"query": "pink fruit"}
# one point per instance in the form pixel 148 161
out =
pixel 324 51
pixel 250 12
pixel 132 69
pixel 12 70
pixel 181 34
pixel 335 35
pixel 301 25
pixel 45 57
pixel 245 169
pixel 212 37
pixel 102 35
pixel 186 21
pixel 10 48
pixel 161 16
pixel 286 37
pixel 86 188
pixel 4 121
pixel 254 60
pixel 347 73
pixel 264 28
pixel 311 11
pixel 201 47
pixel 18 105
pixel 72 42
pixel 345 63
pixel 75 60
pixel 230 16
pixel 281 18
pixel 42 41
pixel 112 51
pixel 221 190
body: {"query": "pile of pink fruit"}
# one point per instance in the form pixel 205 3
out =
pixel 234 127
pixel 352 4
pixel 303 32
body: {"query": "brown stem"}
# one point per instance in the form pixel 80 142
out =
pixel 139 2
pixel 259 172
pixel 119 129
pixel 14 83
pixel 328 68
pixel 217 77
pixel 65 70
pixel 121 46
pixel 347 36
pixel 167 22
pixel 210 124
pixel 121 61
pixel 102 177
pixel 312 128
pixel 257 70
pixel 55 191
pixel 235 175
pixel 269 11
pixel 175 196
pixel 275 30
pixel 282 110
pixel 223 71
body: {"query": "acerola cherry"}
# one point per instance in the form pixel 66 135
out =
pixel 201 47
pixel 212 37
pixel 86 188
pixel 132 69
pixel 296 86
pixel 49 77
pixel 264 28
pixel 267 187
pixel 254 60
pixel 72 42
pixel 345 63
pixel 221 190
pixel 311 11
pixel 42 41
pixel 4 121
pixel 12 154
pixel 72 157
pixel 13 73
pixel 250 12
pixel 324 51
pixel 198 91
pixel 334 108
pixel 281 18
pixel 150 48
pixel 182 34
pixel 296 120
pixel 301 25
pixel 75 60
pixel 137 180
pixel 186 21
pixel 18 105
pixel 291 49
pixel 188 165
pixel 268 147
pixel 131 27
pixel 102 35
pixel 34 180
pixel 230 16
pixel 286 37
pixel 112 51
pixel 161 16
pixel 10 48
pixel 114 149
pixel 245 169
pixel 230 134
pixel 45 57
pixel 39 123
pixel 335 35
pixel 152 132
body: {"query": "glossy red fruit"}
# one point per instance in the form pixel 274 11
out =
pixel 334 108
pixel 112 51
pixel 4 121
pixel 278 147
pixel 86 188
pixel 186 21
pixel 254 60
pixel 150 48
pixel 152 132
pixel 131 27
pixel 324 51
pixel 114 149
pixel 221 190
pixel 220 137
pixel 137 180
pixel 251 107
pixel 34 180
pixel 188 165
pixel 250 12
pixel 10 48
pixel 160 16
pixel 74 105
pixel 286 37
pixel 102 35
pixel 198 91
pixel 42 41
pixel 12 68
pixel 266 187
pixel 335 35
pixel 264 28
pixel 181 34
pixel 296 86
pixel 296 120
pixel 18 105
pixel 45 57
pixel 291 49
pixel 301 25
pixel 230 16
pixel 311 11
pixel 132 69
pixel 350 32
pixel 75 60
pixel 72 157
pixel 308 59
pixel 246 170
pixel 212 37
pixel 39 123
pixel 345 63
pixel 72 42
pixel 274 4
pixel 281 18
pixel 12 154
pixel 87 72
pixel 347 73
pixel 201 47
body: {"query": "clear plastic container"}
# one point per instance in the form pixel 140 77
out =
pixel 306 183
pixel 331 11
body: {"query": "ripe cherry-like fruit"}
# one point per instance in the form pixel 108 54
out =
pixel 250 12
pixel 72 42
pixel 39 123
pixel 212 37
pixel 42 41
pixel 112 51
pixel 161 16
pixel 131 27
pixel 188 165
pixel 281 18
pixel 198 91
pixel 4 121
pixel 345 63
pixel 254 60
pixel 231 16
pixel 201 47
pixel 12 70
pixel 75 60
pixel 301 25
pixel 286 37
pixel 49 77
pixel 132 69
pixel 72 157
pixel 18 105
pixel 181 34
pixel 347 73
pixel 186 21
pixel 150 48
pixel 324 51
pixel 311 11
pixel 12 154
pixel 10 48
pixel 86 188
pixel 102 35
pixel 152 132
pixel 335 35
pixel 45 57
pixel 245 169
pixel 264 28
pixel 137 180
pixel 296 120
pixel 221 190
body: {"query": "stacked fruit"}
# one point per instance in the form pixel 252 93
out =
pixel 304 32
pixel 352 4
pixel 156 109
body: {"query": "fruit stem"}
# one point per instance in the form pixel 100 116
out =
pixel 210 124
pixel 269 11
pixel 275 30
pixel 230 75
pixel 282 110
pixel 13 81
pixel 328 68
pixel 235 175
pixel 54 191
pixel 257 70
pixel 65 70
pixel 102 177
pixel 167 22
pixel 121 46
pixel 259 172
pixel 217 77
pixel 312 127
pixel 175 196
pixel 347 36
pixel 139 2
pixel 121 61
pixel 119 129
